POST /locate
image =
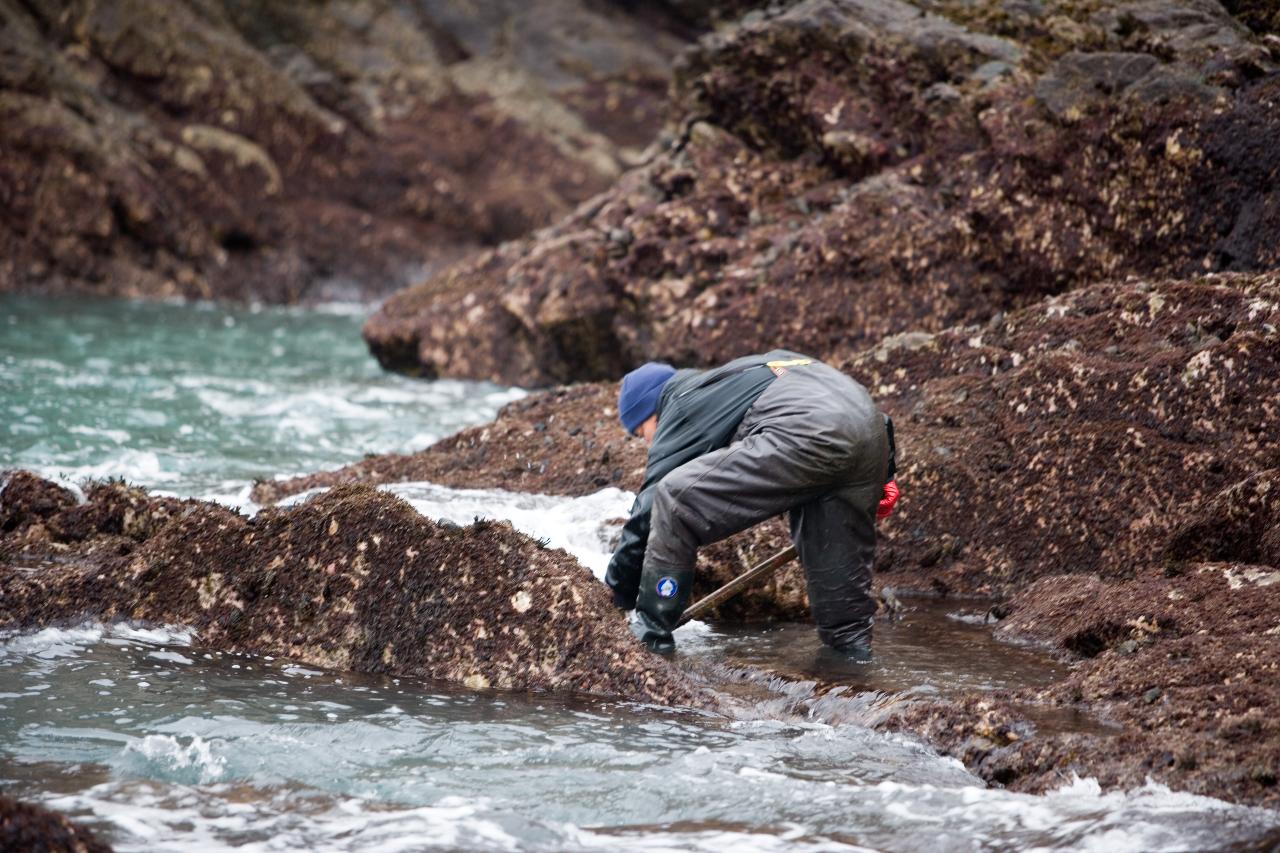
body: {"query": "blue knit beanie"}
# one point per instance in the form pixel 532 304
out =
pixel 639 393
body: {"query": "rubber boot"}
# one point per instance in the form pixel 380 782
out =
pixel 858 651
pixel 664 594
pixel 655 638
pixel 854 646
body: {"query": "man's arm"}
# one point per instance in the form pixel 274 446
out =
pixel 623 575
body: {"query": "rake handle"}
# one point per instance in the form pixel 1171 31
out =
pixel 741 582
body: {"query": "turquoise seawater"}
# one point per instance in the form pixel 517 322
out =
pixel 200 400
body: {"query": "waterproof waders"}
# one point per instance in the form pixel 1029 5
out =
pixel 808 442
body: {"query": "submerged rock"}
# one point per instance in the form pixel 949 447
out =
pixel 844 170
pixel 353 579
pixel 26 826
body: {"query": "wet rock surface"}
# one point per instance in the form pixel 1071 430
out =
pixel 1183 667
pixel 355 580
pixel 26 826
pixel 290 152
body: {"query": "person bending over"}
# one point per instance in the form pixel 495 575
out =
pixel 734 446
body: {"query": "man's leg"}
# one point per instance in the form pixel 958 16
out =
pixel 710 498
pixel 835 536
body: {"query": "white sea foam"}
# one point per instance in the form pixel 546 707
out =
pixel 119 436
pixel 1077 816
pixel 51 643
pixel 55 643
pixel 169 757
pixel 189 816
pixel 136 466
pixel 162 635
pixel 171 657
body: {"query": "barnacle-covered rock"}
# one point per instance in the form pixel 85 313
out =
pixel 353 579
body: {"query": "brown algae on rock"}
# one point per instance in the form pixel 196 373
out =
pixel 353 579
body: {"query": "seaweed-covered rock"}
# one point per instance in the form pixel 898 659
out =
pixel 844 170
pixel 353 579
pixel 1077 435
pixel 1241 523
pixel 28 499
pixel 1182 664
pixel 299 151
pixel 26 826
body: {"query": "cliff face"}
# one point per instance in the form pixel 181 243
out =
pixel 299 151
pixel 842 170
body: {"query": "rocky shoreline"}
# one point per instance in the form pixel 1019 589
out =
pixel 1148 403
pixel 1041 232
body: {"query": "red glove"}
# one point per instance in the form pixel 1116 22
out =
pixel 886 503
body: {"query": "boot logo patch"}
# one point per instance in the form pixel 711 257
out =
pixel 666 587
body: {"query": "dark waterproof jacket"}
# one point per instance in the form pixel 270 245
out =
pixel 698 412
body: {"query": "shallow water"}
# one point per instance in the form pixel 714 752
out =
pixel 164 746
